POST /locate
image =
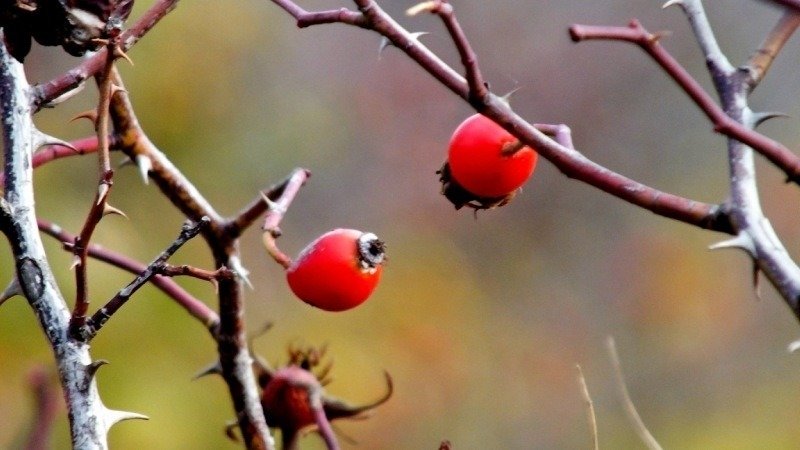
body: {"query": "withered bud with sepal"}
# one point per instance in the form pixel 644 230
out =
pixel 76 25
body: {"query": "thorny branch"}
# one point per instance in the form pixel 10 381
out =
pixel 569 160
pixel 635 33
pixel 90 420
pixel 192 305
pixel 231 337
pixel 754 233
pixel 275 212
pixel 741 216
pixel 72 79
pixel 99 319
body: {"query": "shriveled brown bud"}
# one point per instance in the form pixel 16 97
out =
pixel 76 25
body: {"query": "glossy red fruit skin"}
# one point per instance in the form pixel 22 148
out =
pixel 329 273
pixel 477 162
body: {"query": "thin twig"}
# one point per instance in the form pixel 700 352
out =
pixel 231 336
pixel 96 212
pixel 100 203
pixel 98 319
pixel 716 60
pixel 762 59
pixel 755 234
pixel 44 93
pixel 169 270
pixel 258 206
pixel 187 301
pixel 53 152
pixel 276 209
pixel 627 403
pixel 307 19
pixel 635 33
pixel 477 86
pixel 570 161
pixel 589 407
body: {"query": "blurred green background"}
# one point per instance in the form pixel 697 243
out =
pixel 480 322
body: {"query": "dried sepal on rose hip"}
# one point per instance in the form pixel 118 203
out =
pixel 294 400
pixel 337 271
pixel 486 165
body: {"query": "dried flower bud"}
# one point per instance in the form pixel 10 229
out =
pixel 75 25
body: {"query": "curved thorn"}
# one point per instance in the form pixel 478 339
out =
pixel 119 53
pixel 41 140
pixel 506 98
pixel 658 35
pixel 271 205
pixel 740 242
pixel 385 42
pixel 89 114
pixel 144 164
pixel 756 281
pixel 761 117
pixel 76 261
pixel 213 369
pixel 672 3
pixel 240 271
pixel 11 290
pixel 417 34
pixel 230 430
pixel 108 209
pixel 793 346
pixel 66 95
pixel 113 417
pixel 102 192
pixel 94 366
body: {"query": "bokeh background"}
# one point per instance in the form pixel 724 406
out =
pixel 480 321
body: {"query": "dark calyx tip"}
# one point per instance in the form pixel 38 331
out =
pixel 371 250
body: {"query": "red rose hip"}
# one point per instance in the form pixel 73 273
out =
pixel 338 271
pixel 486 165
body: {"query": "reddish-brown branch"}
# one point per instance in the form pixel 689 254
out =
pixel 276 209
pixel 44 93
pixel 774 151
pixel 234 356
pixel 762 59
pixel 569 161
pixel 187 301
pixel 100 318
pixel 79 147
pixel 100 202
pixel 307 19
pixel 223 273
pixel 81 252
pixel 793 4
pixel 278 204
pixel 257 207
pixel 477 86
